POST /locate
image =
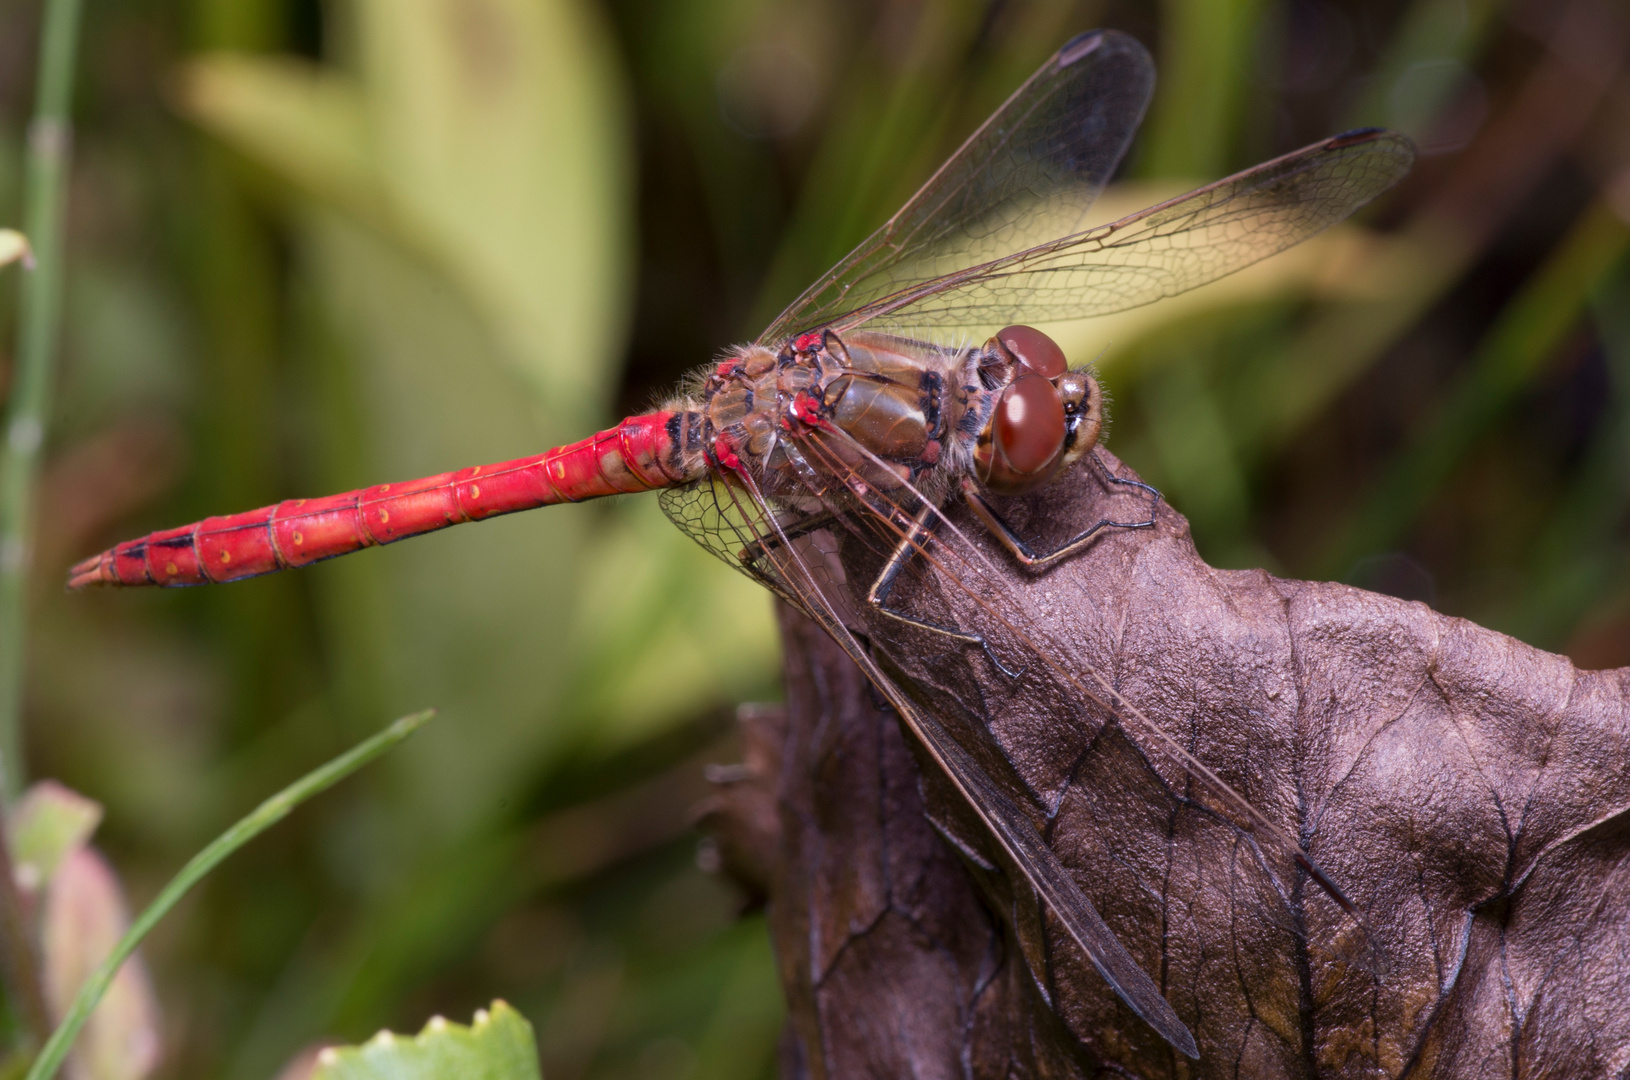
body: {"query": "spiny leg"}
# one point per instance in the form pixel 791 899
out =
pixel 918 533
pixel 1022 552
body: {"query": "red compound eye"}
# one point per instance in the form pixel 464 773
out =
pixel 1035 350
pixel 1029 425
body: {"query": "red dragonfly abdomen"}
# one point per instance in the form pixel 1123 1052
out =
pixel 639 454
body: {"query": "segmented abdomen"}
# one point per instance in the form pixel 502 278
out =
pixel 639 454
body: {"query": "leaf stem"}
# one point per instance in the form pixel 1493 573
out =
pixel 45 196
pixel 264 816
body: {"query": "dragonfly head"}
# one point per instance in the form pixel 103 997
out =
pixel 1083 414
pixel 1046 416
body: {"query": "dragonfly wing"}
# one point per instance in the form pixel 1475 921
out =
pixel 819 541
pixel 1053 698
pixel 1028 852
pixel 1167 249
pixel 1029 174
pixel 733 519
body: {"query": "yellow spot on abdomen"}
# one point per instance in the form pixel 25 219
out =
pixel 226 556
pixel 299 538
pixel 169 568
pixel 475 491
pixel 384 515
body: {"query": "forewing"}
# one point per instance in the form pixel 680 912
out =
pixel 1162 251
pixel 1028 175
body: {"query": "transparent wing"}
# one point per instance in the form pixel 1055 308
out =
pixel 1028 175
pixel 1162 251
pixel 954 580
pixel 794 544
pixel 1129 800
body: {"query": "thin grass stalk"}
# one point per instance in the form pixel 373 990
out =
pixel 50 143
pixel 263 817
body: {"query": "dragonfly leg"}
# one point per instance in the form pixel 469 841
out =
pixel 918 534
pixel 1033 559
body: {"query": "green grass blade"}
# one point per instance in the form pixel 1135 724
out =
pixel 1209 55
pixel 263 817
pixel 50 138
pixel 1578 567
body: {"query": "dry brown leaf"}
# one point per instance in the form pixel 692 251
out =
pixel 1469 792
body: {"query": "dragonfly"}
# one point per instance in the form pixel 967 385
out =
pixel 824 458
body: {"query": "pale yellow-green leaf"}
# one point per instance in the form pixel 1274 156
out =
pixel 48 823
pixel 84 917
pixel 14 247
pixel 501 127
pixel 305 122
pixel 492 133
pixel 498 1046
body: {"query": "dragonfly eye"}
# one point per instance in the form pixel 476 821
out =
pixel 1034 349
pixel 1083 414
pixel 1027 436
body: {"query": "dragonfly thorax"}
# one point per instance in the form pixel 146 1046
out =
pixel 892 411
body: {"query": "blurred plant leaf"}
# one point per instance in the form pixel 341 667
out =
pixel 496 143
pixel 501 127
pixel 1209 52
pixel 498 1046
pixel 86 974
pixel 486 622
pixel 488 133
pixel 645 663
pixel 1550 109
pixel 83 919
pixel 897 95
pixel 1527 334
pixel 740 1036
pixel 303 1064
pixel 48 824
pixel 301 120
pixel 14 248
pixel 1190 434
pixel 1578 569
pixel 476 619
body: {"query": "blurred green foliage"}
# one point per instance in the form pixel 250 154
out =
pixel 316 245
pixel 498 1045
